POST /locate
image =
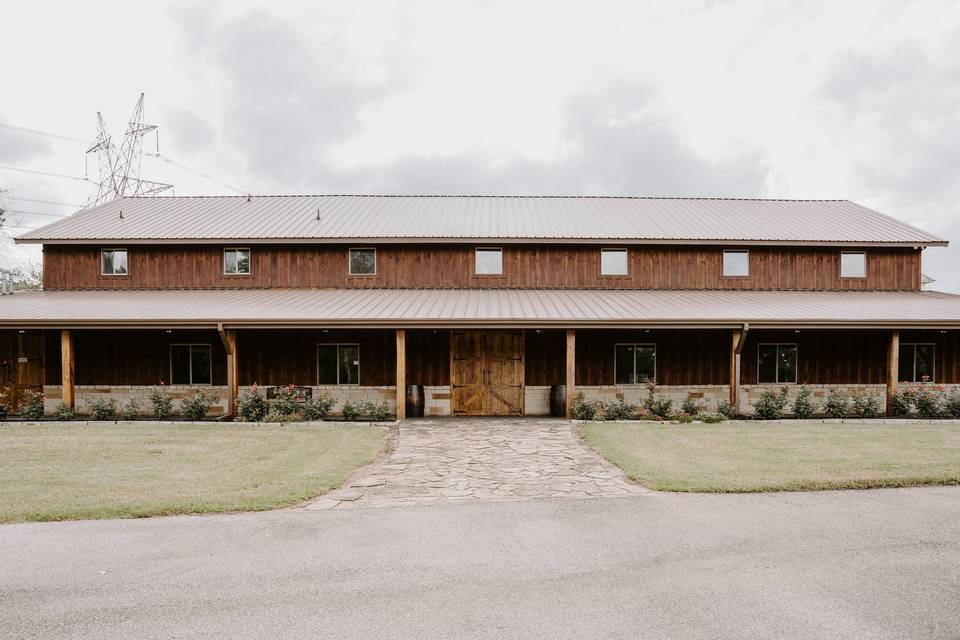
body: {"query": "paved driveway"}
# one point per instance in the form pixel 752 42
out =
pixel 838 565
pixel 490 459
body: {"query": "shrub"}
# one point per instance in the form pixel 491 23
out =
pixel 376 411
pixel 104 409
pixel 63 413
pixel 130 410
pixel 620 410
pixel 712 418
pixel 865 406
pixel 350 411
pixel 584 409
pixel 952 405
pixel 251 406
pixel 284 401
pixel 802 405
pixel 682 418
pixel 726 410
pixel 197 407
pixel 660 406
pixel 690 406
pixel 771 404
pixel 31 407
pixel 901 403
pixel 161 402
pixel 318 408
pixel 4 407
pixel 928 401
pixel 275 416
pixel 837 405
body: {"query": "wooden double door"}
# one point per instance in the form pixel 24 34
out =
pixel 21 365
pixel 486 373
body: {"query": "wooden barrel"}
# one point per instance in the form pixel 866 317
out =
pixel 415 400
pixel 558 400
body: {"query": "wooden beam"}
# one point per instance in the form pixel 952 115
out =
pixel 893 366
pixel 738 338
pixel 401 374
pixel 67 368
pixel 233 385
pixel 571 369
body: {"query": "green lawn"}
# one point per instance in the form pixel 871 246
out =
pixel 744 456
pixel 76 471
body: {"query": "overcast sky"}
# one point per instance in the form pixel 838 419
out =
pixel 855 100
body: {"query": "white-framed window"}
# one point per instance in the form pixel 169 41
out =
pixel 489 261
pixel 113 262
pixel 613 262
pixel 853 264
pixel 190 364
pixel 736 263
pixel 338 363
pixel 917 362
pixel 634 363
pixel 363 262
pixel 776 363
pixel 236 261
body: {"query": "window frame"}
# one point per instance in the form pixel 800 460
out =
pixel 626 254
pixel 191 345
pixel 350 272
pixel 476 255
pixel 776 375
pixel 634 344
pixel 112 275
pixel 249 261
pixel 338 345
pixel 854 253
pixel 723 263
pixel 914 345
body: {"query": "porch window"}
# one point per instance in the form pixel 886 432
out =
pixel 916 362
pixel 190 364
pixel 853 264
pixel 736 263
pixel 338 364
pixel 489 261
pixel 363 262
pixel 634 363
pixel 113 262
pixel 613 262
pixel 236 261
pixel 777 363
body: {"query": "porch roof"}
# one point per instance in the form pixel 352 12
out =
pixel 435 308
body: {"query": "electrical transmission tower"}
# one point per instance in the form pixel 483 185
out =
pixel 120 172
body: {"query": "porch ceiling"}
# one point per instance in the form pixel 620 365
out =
pixel 433 308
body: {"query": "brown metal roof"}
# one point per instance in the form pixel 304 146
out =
pixel 338 218
pixel 472 307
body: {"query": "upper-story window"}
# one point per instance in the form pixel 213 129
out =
pixel 853 264
pixel 489 261
pixel 363 262
pixel 236 261
pixel 777 363
pixel 113 262
pixel 736 263
pixel 613 262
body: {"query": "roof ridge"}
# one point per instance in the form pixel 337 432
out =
pixel 491 196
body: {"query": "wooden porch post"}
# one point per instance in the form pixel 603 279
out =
pixel 401 374
pixel 738 338
pixel 893 366
pixel 571 369
pixel 229 339
pixel 67 368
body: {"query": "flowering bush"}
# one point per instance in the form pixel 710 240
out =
pixel 726 410
pixel 197 407
pixel 660 406
pixel 619 410
pixel 318 408
pixel 837 405
pixel 865 406
pixel 771 404
pixel 803 406
pixel 284 401
pixel 690 406
pixel 4 407
pixel 901 403
pixel 952 405
pixel 586 409
pixel 928 400
pixel 104 409
pixel 31 407
pixel 63 413
pixel 712 418
pixel 251 406
pixel 130 410
pixel 350 411
pixel 162 402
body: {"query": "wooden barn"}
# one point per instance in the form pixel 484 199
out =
pixel 488 304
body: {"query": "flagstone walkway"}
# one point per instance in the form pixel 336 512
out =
pixel 451 460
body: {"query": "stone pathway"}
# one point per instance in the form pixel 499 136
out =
pixel 481 459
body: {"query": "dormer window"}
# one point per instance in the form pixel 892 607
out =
pixel 113 262
pixel 363 262
pixel 613 262
pixel 489 261
pixel 853 264
pixel 736 264
pixel 236 262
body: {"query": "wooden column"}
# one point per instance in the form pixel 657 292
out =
pixel 893 366
pixel 571 368
pixel 229 339
pixel 401 374
pixel 738 338
pixel 67 368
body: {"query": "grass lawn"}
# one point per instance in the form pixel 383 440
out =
pixel 66 471
pixel 743 456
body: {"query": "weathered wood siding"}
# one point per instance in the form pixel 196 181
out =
pixel 825 357
pixel 452 266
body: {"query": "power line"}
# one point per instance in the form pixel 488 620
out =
pixel 39 213
pixel 169 160
pixel 45 134
pixel 65 204
pixel 45 173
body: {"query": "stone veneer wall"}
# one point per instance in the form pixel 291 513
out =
pixel 708 395
pixel 536 401
pixel 750 393
pixel 436 401
pixel 344 393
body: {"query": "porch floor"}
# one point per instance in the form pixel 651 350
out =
pixel 491 459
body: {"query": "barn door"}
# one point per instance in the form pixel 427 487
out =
pixel 21 365
pixel 486 373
